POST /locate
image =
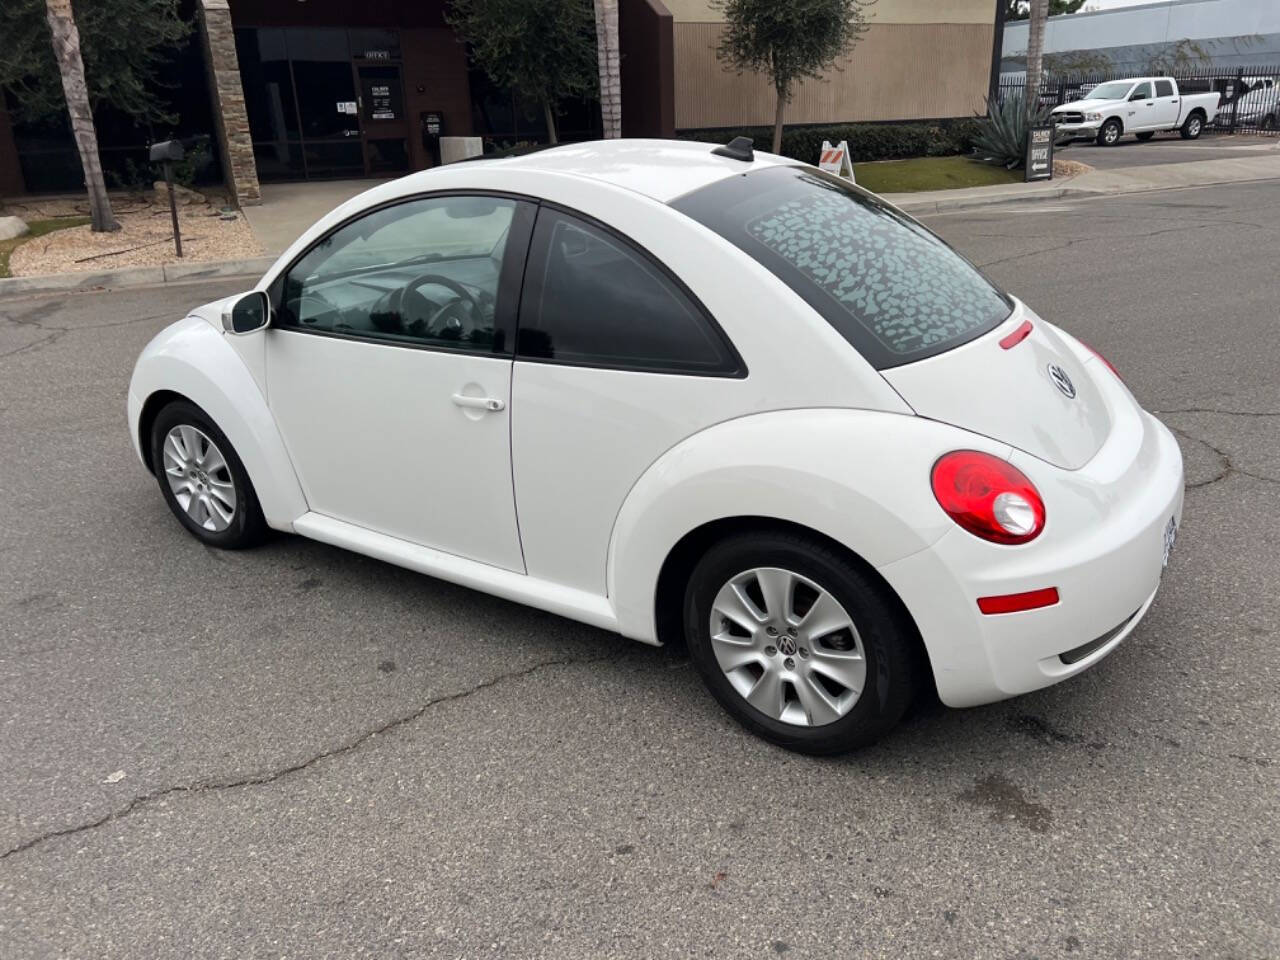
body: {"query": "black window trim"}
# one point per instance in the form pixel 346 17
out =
pixel 510 276
pixel 735 369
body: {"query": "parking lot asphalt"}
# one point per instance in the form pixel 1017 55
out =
pixel 1168 148
pixel 298 752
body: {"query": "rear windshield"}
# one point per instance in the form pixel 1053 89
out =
pixel 891 288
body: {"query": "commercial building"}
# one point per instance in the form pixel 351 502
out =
pixel 1220 34
pixel 315 89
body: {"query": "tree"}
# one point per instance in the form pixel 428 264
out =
pixel 1035 53
pixel 608 57
pixel 789 41
pixel 1021 9
pixel 66 48
pixel 543 49
pixel 92 61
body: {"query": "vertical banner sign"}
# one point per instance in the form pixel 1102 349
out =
pixel 1040 153
pixel 836 160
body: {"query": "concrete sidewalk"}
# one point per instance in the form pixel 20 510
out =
pixel 1137 179
pixel 287 209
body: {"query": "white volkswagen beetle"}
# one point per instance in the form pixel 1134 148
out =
pixel 676 391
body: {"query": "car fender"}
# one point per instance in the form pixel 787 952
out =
pixel 193 359
pixel 859 477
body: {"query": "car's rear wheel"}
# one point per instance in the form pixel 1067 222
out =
pixel 1109 133
pixel 1193 127
pixel 1145 136
pixel 1268 122
pixel 798 643
pixel 203 480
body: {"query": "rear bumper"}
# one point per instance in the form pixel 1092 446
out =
pixel 1102 548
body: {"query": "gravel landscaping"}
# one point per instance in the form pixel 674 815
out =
pixel 145 237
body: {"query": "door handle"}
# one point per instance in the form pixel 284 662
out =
pixel 479 403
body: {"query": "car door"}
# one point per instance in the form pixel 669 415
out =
pixel 617 362
pixel 389 371
pixel 1166 108
pixel 1141 112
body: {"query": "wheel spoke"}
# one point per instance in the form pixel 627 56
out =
pixel 766 695
pixel 819 706
pixel 196 511
pixel 732 654
pixel 824 617
pixel 190 442
pixel 776 587
pixel 734 604
pixel 846 668
pixel 220 515
pixel 213 460
pixel 225 492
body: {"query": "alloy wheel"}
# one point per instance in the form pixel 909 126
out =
pixel 199 478
pixel 787 646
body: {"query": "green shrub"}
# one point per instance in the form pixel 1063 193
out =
pixel 867 141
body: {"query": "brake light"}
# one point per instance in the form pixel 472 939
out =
pixel 1104 360
pixel 989 497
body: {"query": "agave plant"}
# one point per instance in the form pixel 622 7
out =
pixel 1002 133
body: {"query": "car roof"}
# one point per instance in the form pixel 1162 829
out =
pixel 659 169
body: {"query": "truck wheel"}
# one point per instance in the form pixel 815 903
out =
pixel 1268 122
pixel 1109 133
pixel 1191 129
pixel 1144 137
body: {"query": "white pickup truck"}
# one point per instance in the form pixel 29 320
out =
pixel 1144 106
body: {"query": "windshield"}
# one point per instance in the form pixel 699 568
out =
pixel 1116 90
pixel 891 288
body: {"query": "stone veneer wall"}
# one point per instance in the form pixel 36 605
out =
pixel 234 142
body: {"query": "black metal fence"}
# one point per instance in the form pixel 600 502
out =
pixel 1248 97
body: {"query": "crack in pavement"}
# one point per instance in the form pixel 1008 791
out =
pixel 1226 467
pixel 54 334
pixel 1072 241
pixel 272 776
pixel 1218 410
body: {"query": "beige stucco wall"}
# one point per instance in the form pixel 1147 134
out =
pixel 882 11
pixel 919 59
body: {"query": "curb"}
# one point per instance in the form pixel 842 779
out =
pixel 133 276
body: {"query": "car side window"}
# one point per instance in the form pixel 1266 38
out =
pixel 426 272
pixel 1141 92
pixel 1164 88
pixel 592 299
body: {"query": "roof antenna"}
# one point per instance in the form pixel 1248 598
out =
pixel 739 148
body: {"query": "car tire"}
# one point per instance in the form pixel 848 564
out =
pixel 1144 137
pixel 796 664
pixel 1268 122
pixel 1192 127
pixel 203 480
pixel 1109 133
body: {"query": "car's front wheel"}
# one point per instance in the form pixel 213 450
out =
pixel 798 643
pixel 1110 132
pixel 203 480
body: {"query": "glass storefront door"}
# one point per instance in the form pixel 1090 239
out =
pixel 318 109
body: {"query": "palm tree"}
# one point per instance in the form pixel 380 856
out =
pixel 66 49
pixel 610 78
pixel 1035 53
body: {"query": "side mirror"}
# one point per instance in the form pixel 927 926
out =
pixel 1137 96
pixel 246 314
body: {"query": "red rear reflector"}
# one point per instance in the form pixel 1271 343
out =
pixel 1013 602
pixel 1015 338
pixel 1103 359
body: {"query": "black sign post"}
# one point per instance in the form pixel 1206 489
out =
pixel 1040 153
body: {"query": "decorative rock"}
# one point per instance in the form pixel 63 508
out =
pixel 11 227
pixel 183 195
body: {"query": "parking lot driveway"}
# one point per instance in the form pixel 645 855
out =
pixel 1168 148
pixel 295 751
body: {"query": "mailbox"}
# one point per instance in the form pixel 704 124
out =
pixel 167 151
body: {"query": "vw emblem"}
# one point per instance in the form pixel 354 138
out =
pixel 786 646
pixel 1062 381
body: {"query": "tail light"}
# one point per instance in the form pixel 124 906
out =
pixel 989 497
pixel 1103 359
